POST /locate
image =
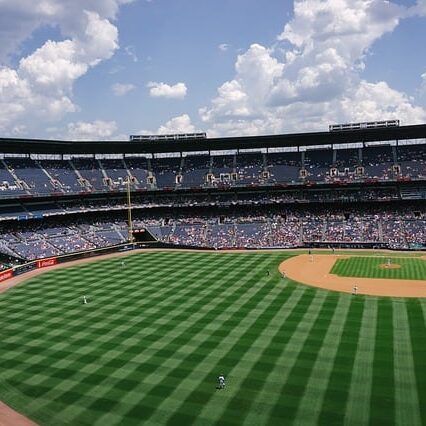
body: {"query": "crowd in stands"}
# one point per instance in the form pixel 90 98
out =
pixel 4 266
pixel 7 261
pixel 45 239
pixel 36 208
pixel 290 228
pixel 239 227
pixel 26 176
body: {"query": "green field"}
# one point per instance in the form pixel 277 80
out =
pixel 156 333
pixel 369 267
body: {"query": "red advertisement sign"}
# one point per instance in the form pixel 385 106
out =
pixel 44 263
pixel 5 275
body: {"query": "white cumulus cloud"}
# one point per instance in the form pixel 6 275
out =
pixel 121 89
pixel 96 130
pixel 311 77
pixel 19 19
pixel 419 9
pixel 179 124
pixel 163 90
pixel 40 87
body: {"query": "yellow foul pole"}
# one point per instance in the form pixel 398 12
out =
pixel 129 211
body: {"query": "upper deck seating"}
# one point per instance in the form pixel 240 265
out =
pixel 377 161
pixel 165 171
pixel 116 172
pixel 196 167
pixel 318 164
pixel 222 168
pixel 412 159
pixel 62 172
pixel 8 185
pixel 249 168
pixel 90 170
pixel 284 167
pixel 28 171
pixel 138 168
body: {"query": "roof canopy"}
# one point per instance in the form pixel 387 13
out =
pixel 37 146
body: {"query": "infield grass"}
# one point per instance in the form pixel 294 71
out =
pixel 156 333
pixel 372 267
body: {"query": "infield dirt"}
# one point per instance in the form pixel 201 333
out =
pixel 314 270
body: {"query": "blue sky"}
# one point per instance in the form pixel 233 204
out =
pixel 104 69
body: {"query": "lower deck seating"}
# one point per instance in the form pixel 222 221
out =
pixel 273 226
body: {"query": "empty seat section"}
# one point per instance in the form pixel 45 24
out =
pixel 165 171
pixel 196 167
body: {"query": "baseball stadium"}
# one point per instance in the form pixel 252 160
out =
pixel 187 280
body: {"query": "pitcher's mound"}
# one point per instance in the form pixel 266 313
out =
pixel 391 266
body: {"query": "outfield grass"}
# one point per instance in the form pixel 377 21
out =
pixel 369 267
pixel 155 335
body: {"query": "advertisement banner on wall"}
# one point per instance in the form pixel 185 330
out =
pixel 5 275
pixel 44 263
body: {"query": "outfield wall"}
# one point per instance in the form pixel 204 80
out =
pixel 52 261
pixel 126 247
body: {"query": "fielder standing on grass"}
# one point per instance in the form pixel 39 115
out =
pixel 221 381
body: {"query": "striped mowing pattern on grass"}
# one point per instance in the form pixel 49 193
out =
pixel 156 333
pixel 369 267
